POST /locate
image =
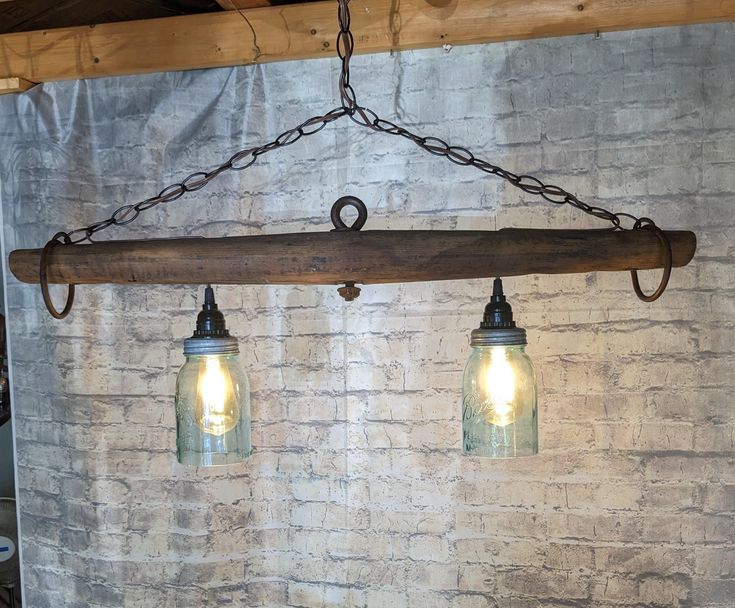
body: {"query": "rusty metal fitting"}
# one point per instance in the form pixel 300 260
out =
pixel 349 292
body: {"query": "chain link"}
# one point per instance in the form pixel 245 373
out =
pixel 365 117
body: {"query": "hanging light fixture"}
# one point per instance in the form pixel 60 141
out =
pixel 499 417
pixel 499 390
pixel 212 395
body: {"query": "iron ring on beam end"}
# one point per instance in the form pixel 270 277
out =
pixel 58 239
pixel 647 224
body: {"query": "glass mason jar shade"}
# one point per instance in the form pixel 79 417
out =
pixel 499 415
pixel 212 411
pixel 212 395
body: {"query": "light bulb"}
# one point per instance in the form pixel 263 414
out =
pixel 216 409
pixel 499 388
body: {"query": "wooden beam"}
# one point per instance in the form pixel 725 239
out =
pixel 302 31
pixel 14 85
pixel 379 256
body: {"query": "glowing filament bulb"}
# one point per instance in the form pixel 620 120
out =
pixel 217 409
pixel 500 389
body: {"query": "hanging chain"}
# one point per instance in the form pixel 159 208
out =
pixel 196 181
pixel 365 117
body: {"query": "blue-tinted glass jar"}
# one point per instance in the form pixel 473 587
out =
pixel 212 395
pixel 499 409
pixel 212 409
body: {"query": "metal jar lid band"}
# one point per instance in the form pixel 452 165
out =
pixel 211 346
pixel 506 336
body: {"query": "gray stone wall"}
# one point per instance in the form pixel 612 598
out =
pixel 357 493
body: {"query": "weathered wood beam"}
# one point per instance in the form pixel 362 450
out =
pixel 380 256
pixel 14 85
pixel 301 31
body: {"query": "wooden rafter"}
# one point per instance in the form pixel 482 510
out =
pixel 302 31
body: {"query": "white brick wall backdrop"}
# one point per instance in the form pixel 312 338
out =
pixel 357 494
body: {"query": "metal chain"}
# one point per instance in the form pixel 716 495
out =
pixel 367 118
pixel 463 156
pixel 363 116
pixel 196 181
pixel 345 48
pixel 242 159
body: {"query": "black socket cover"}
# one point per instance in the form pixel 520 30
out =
pixel 210 321
pixel 498 313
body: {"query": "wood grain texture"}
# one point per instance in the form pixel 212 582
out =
pixel 14 85
pixel 301 31
pixel 380 256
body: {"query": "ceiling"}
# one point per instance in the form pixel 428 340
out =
pixel 29 15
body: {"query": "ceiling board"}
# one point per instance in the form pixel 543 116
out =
pixel 28 15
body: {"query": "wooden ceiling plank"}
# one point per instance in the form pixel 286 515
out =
pixel 14 85
pixel 303 31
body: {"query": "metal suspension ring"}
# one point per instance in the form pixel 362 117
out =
pixel 645 223
pixel 58 239
pixel 336 214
